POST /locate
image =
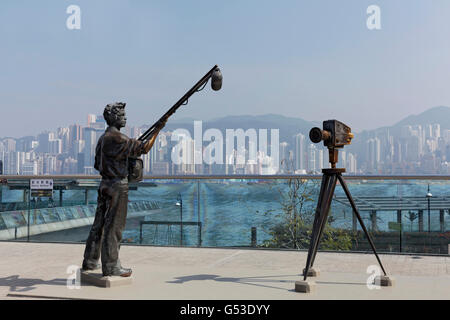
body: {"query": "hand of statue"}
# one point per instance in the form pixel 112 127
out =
pixel 149 144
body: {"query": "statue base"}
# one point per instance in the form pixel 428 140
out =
pixel 305 286
pixel 97 279
pixel 384 281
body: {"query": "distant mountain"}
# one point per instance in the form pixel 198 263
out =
pixel 288 126
pixel 440 115
pixel 436 115
pixel 291 126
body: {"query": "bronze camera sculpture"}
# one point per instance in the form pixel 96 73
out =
pixel 335 135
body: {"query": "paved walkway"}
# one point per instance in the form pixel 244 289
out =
pixel 40 270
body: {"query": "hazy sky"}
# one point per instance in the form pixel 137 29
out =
pixel 311 59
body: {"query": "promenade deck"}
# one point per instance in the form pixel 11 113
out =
pixel 39 270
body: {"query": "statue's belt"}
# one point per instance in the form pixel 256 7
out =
pixel 114 180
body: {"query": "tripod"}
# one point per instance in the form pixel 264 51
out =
pixel 329 180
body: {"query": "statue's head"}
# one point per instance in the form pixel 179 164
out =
pixel 114 115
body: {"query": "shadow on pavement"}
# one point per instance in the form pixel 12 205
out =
pixel 254 281
pixel 17 284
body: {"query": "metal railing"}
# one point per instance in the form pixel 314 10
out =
pixel 228 207
pixel 172 223
pixel 226 177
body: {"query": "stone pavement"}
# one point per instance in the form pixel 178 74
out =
pixel 39 270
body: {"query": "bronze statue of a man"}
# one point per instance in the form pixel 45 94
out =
pixel 111 160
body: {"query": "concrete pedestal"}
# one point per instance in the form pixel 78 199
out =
pixel 97 279
pixel 384 281
pixel 305 286
pixel 312 272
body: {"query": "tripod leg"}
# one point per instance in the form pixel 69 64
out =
pixel 325 180
pixel 358 216
pixel 330 193
pixel 328 184
pixel 323 186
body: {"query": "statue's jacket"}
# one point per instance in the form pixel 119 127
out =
pixel 112 153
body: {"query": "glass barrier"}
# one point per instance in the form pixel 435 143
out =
pixel 402 214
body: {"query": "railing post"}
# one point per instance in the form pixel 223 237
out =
pixel 373 218
pixel 199 234
pixel 28 215
pixel 60 197
pixel 442 220
pixel 254 238
pixel 420 220
pixel 354 222
pixel 86 198
pixel 399 216
pixel 140 232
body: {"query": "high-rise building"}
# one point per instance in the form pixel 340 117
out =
pixel 343 159
pixel 160 168
pixel 50 164
pixel 300 159
pixel 55 146
pixel 351 163
pixel 43 139
pixel 91 118
pixel 436 130
pixel 284 157
pixel 373 153
pixel 9 145
pixel 11 163
pixel 413 148
pixel 432 131
pixel 64 135
pixel 78 147
pixel 25 144
pixel 312 158
pixel 320 159
pixel 446 136
pixel 70 166
pixel 90 142
pixel 80 163
pixel 29 168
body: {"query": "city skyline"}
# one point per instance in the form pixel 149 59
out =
pixel 180 119
pixel 420 146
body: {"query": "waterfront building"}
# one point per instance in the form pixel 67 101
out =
pixel 300 159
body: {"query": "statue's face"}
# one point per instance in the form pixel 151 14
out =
pixel 121 120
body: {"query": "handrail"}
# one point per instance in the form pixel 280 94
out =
pixel 232 177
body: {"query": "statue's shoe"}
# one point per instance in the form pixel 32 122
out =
pixel 87 267
pixel 122 272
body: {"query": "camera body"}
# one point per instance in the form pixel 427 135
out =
pixel 335 135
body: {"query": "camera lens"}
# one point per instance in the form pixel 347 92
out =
pixel 315 134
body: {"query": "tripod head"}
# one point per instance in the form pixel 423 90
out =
pixel 335 136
